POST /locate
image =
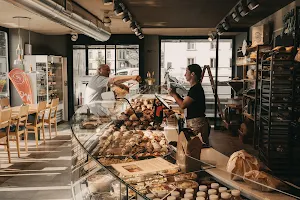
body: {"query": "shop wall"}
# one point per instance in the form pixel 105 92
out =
pixel 41 45
pixel 152 55
pixel 275 20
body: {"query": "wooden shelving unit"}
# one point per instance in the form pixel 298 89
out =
pixel 250 101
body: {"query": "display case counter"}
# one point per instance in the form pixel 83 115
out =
pixel 120 150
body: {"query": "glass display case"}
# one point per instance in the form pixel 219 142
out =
pixel 4 82
pixel 120 152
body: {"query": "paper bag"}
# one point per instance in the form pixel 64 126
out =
pixel 241 162
pixel 188 151
pixel 262 178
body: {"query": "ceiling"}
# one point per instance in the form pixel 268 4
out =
pixel 157 17
pixel 179 13
pixel 38 23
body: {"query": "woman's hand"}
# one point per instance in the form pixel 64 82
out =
pixel 172 92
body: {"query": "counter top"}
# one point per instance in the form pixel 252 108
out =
pixel 211 156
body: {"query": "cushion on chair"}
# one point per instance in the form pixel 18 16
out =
pixel 31 118
pixel 13 128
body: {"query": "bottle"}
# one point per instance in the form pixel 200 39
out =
pixel 150 196
pixel 236 195
pixel 189 190
pixel 225 196
pixel 222 189
pixel 189 196
pixel 175 194
pixel 171 198
pixel 212 192
pixel 213 197
pixel 201 194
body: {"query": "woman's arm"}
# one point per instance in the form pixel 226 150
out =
pixel 183 103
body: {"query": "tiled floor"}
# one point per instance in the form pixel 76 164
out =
pixel 42 173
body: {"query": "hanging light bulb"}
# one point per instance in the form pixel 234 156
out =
pixel 19 51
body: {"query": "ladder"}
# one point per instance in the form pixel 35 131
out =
pixel 207 67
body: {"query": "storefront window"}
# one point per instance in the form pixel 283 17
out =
pixel 127 60
pixel 96 57
pixel 79 70
pixel 175 58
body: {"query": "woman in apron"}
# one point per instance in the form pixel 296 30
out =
pixel 194 103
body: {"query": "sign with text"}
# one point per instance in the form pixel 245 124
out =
pixel 22 83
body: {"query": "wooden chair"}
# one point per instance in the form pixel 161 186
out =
pixel 5 118
pixel 4 103
pixel 19 127
pixel 38 122
pixel 51 118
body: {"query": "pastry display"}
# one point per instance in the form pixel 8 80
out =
pixel 188 176
pixel 132 142
pixel 185 184
pixel 107 161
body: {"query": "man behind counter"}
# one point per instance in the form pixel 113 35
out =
pixel 101 83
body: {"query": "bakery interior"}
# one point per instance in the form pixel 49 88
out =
pixel 119 148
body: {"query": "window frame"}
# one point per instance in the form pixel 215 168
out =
pixel 191 46
pixel 194 60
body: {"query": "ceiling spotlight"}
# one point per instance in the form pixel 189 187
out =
pixel 242 9
pixel 141 36
pixel 235 15
pixel 126 17
pixel 211 36
pixel 107 2
pixel 138 32
pixel 133 26
pixel 220 29
pixel 107 21
pixel 118 9
pixel 226 25
pixel 74 36
pixel 252 4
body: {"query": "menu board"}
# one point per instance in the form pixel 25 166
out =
pixel 144 167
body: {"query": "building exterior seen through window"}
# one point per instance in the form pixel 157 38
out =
pixel 177 54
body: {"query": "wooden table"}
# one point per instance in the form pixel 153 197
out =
pixel 33 108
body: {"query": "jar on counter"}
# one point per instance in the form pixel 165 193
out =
pixel 222 189
pixel 203 188
pixel 236 195
pixel 189 190
pixel 175 194
pixel 189 196
pixel 150 196
pixel 215 186
pixel 212 192
pixel 171 198
pixel 225 196
pixel 201 194
pixel 213 197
